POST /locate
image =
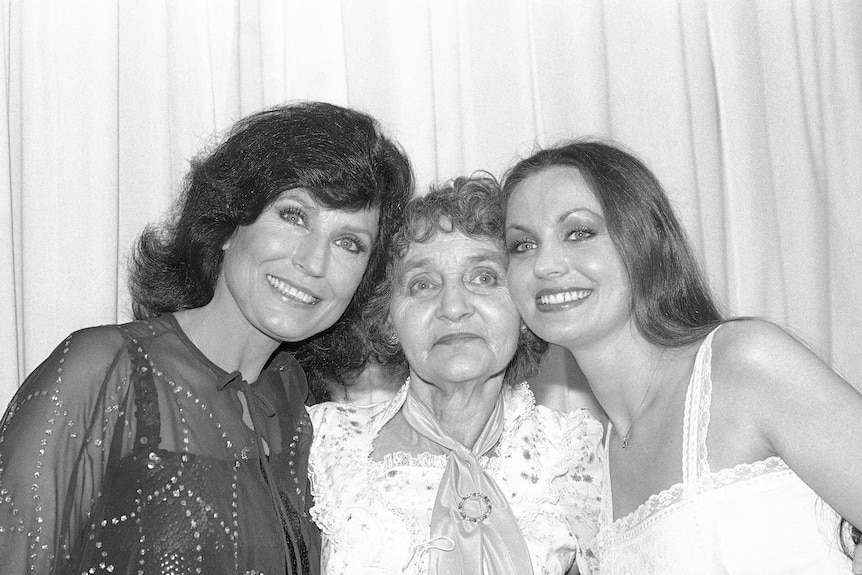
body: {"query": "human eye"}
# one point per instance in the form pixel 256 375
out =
pixel 520 245
pixel 419 285
pixel 580 233
pixel 485 278
pixel 351 244
pixel 292 215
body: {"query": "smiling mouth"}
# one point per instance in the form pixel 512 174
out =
pixel 290 293
pixel 563 297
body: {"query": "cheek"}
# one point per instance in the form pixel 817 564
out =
pixel 611 268
pixel 406 321
pixel 506 321
pixel 347 275
pixel 234 265
pixel 398 314
pixel 518 284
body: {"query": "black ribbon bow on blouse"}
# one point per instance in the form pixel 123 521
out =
pixel 294 546
pixel 235 381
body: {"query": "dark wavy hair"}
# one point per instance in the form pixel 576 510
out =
pixel 338 154
pixel 671 303
pixel 470 205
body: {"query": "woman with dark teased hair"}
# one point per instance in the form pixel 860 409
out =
pixel 729 442
pixel 460 472
pixel 178 443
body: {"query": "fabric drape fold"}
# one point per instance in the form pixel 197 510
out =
pixel 470 511
pixel 259 406
pixel 749 113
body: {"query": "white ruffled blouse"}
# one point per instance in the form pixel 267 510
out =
pixel 375 515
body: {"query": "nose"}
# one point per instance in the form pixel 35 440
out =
pixel 456 302
pixel 549 262
pixel 312 255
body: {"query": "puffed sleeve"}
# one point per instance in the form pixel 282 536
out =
pixel 54 446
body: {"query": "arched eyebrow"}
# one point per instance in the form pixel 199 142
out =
pixel 304 198
pixel 560 219
pixel 405 266
pixel 577 211
pixel 361 231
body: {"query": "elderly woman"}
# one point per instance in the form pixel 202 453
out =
pixel 460 472
pixel 142 448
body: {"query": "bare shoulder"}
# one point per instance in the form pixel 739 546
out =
pixel 759 350
pixel 757 366
pixel 766 366
pixel 756 340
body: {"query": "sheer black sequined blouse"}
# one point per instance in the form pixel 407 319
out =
pixel 125 453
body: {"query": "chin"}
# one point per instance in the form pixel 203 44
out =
pixel 287 332
pixel 468 375
pixel 554 336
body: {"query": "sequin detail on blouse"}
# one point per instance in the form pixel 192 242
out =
pixel 144 467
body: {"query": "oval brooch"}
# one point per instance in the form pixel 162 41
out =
pixel 481 501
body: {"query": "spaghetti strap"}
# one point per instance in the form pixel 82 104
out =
pixel 695 463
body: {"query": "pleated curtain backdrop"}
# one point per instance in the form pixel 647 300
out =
pixel 749 111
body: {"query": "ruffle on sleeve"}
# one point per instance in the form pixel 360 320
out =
pixel 550 468
pixel 337 465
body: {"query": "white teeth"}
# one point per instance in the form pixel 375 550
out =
pixel 289 291
pixel 564 297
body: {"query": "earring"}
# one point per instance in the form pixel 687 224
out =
pixel 393 339
pixel 523 327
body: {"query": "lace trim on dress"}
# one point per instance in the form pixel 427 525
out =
pixel 698 409
pixel 376 468
pixel 663 500
pixel 545 459
pixel 518 399
pixel 695 454
pixel 403 459
pixel 563 472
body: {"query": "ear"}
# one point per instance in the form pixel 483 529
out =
pixel 227 243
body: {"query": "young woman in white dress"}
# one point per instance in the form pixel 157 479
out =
pixel 730 443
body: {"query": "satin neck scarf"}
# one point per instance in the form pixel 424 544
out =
pixel 470 510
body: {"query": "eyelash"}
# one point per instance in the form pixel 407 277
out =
pixel 298 216
pixel 287 212
pixel 413 286
pixel 494 278
pixel 582 232
pixel 515 246
pixel 360 245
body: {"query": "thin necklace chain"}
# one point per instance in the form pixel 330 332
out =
pixel 189 328
pixel 625 442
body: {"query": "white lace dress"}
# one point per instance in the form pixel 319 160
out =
pixel 375 515
pixel 756 518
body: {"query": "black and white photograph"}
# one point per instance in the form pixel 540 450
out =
pixel 431 287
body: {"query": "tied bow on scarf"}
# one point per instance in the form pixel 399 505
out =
pixel 470 510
